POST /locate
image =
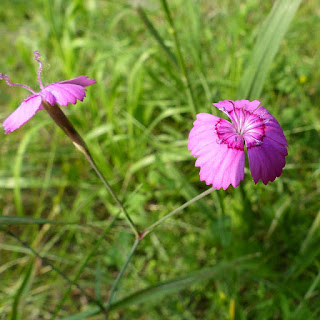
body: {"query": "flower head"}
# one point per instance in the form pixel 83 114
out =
pixel 219 144
pixel 63 92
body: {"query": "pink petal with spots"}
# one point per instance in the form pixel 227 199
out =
pixel 23 113
pixel 219 164
pixel 68 91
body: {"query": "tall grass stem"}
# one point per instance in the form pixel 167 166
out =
pixel 123 269
pixel 180 56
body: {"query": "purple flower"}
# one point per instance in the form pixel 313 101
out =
pixel 219 144
pixel 63 92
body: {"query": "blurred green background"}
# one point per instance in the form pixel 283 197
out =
pixel 246 253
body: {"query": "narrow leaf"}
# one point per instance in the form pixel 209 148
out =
pixel 164 288
pixel 13 220
pixel 22 290
pixel 268 42
pixel 157 36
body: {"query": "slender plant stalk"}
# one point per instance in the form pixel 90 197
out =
pixel 180 56
pixel 143 234
pixel 46 262
pixel 312 230
pixel 108 187
pixel 123 269
pixel 157 36
pixel 63 122
pixel 83 265
pixel 247 212
pixel 175 211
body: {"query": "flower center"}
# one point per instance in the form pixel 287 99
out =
pixel 248 127
pixel 228 134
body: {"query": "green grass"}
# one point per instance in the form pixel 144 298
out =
pixel 217 259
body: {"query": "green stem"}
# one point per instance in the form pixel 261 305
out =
pixel 175 211
pixel 179 56
pixel 83 265
pixel 108 187
pixel 312 230
pixel 63 122
pixel 157 36
pixel 143 234
pixel 120 275
pixel 247 213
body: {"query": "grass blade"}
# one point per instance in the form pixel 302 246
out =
pixel 13 220
pixel 268 42
pixel 312 230
pixel 22 291
pixel 168 287
pixel 180 57
pixel 157 36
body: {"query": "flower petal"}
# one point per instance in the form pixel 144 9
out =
pixel 273 129
pixel 23 113
pixel 219 164
pixel 239 104
pixel 68 91
pixel 267 160
pixel 82 81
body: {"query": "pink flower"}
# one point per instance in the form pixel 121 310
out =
pixel 62 92
pixel 219 144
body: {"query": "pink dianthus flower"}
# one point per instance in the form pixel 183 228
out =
pixel 63 92
pixel 219 144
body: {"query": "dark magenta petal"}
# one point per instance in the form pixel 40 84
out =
pixel 220 164
pixel 23 113
pixel 268 151
pixel 267 160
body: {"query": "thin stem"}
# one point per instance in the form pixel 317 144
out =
pixel 46 262
pixel 177 210
pixel 108 187
pixel 83 265
pixel 179 56
pixel 123 269
pixel 143 234
pixel 157 36
pixel 247 212
pixel 63 122
pixel 308 294
pixel 312 230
